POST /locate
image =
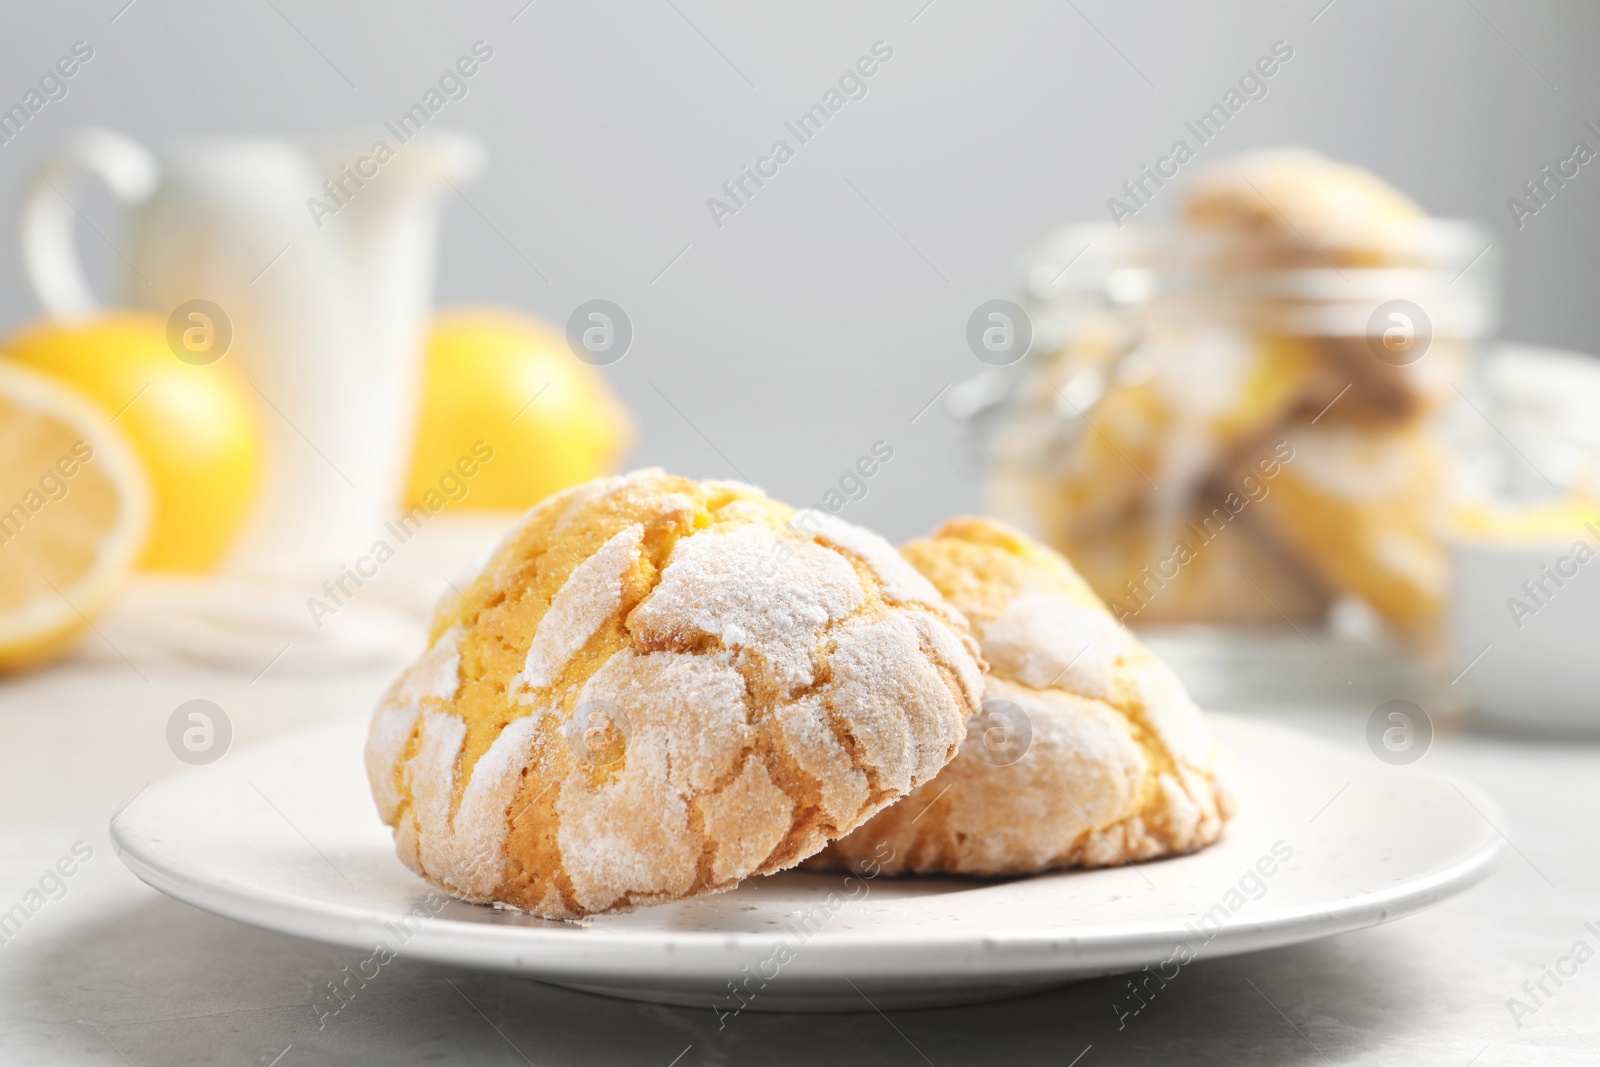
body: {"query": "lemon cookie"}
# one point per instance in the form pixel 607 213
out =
pixel 1300 209
pixel 656 687
pixel 1364 506
pixel 1088 753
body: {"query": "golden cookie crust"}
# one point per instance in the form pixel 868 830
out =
pixel 1362 505
pixel 1301 209
pixel 656 687
pixel 1117 766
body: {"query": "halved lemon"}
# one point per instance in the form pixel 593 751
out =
pixel 193 428
pixel 74 512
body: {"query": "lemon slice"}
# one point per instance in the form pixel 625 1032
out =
pixel 74 511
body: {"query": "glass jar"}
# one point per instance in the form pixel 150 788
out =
pixel 1222 427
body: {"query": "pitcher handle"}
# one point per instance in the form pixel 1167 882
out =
pixel 126 168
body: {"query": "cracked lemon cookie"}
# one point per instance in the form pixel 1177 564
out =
pixel 656 687
pixel 1088 753
pixel 1362 504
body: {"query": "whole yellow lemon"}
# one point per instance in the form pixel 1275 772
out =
pixel 509 380
pixel 194 428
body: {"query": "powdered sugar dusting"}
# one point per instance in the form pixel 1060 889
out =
pixel 951 650
pixel 898 579
pixel 903 718
pixel 1169 712
pixel 480 829
pixel 688 722
pixel 808 735
pixel 551 906
pixel 725 585
pixel 466 850
pixel 405 843
pixel 628 835
pixel 674 506
pixel 747 510
pixel 688 728
pixel 432 775
pixel 392 726
pixel 747 820
pixel 1044 639
pixel 437 674
pixel 575 502
pixel 591 595
pixel 1081 772
pixel 1182 815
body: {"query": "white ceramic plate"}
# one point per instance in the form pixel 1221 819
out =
pixel 284 836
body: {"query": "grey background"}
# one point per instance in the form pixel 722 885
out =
pixel 830 310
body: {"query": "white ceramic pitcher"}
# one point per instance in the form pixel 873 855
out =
pixel 327 304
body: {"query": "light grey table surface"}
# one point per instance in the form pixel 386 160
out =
pixel 113 972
